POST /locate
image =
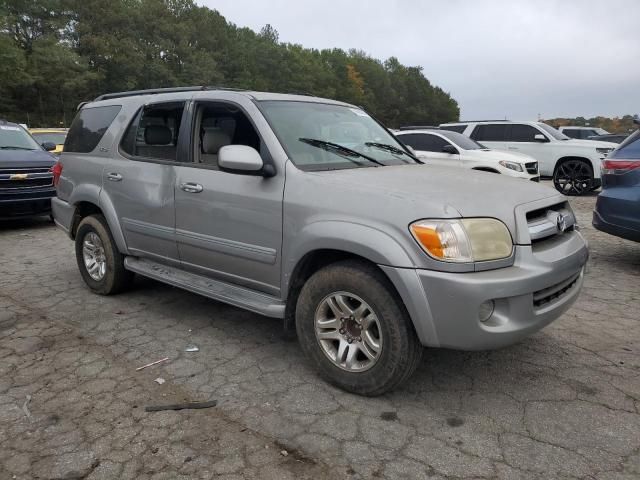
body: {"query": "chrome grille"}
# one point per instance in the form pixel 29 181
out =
pixel 550 221
pixel 12 179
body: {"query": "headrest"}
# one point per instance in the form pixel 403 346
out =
pixel 213 139
pixel 157 135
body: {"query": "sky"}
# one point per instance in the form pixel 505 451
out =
pixel 519 59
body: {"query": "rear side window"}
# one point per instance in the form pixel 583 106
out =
pixel 454 128
pixel 154 131
pixel 490 133
pixel 629 149
pixel 88 128
pixel 423 142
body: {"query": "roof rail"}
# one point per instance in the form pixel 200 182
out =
pixel 151 91
pixel 155 91
pixel 419 127
pixel 474 121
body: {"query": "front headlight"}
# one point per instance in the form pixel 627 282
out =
pixel 511 165
pixel 463 241
pixel 604 151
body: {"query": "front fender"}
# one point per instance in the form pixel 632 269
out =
pixel 365 241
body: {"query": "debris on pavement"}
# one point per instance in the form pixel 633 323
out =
pixel 25 408
pixel 192 348
pixel 159 380
pixel 152 363
pixel 182 406
pixel 284 453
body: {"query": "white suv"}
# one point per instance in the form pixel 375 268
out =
pixel 452 149
pixel 573 164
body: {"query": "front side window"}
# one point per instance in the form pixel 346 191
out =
pixel 558 135
pixel 13 137
pixel 221 124
pixel 523 133
pixel 319 136
pixel 465 143
pixel 490 133
pixel 88 127
pixel 153 133
pixel 571 132
pixel 454 128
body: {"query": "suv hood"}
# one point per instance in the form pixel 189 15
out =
pixel 26 159
pixel 497 155
pixel 574 142
pixel 402 194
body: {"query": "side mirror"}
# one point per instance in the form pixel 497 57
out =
pixel 243 159
pixel 450 149
pixel 49 146
pixel 538 137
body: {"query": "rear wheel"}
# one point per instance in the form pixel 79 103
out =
pixel 355 330
pixel 573 177
pixel 101 264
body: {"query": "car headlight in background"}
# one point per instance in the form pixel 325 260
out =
pixel 511 165
pixel 604 151
pixel 464 240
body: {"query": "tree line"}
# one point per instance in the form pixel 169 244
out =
pixel 57 53
pixel 622 124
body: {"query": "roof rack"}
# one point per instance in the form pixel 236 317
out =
pixel 419 127
pixel 155 91
pixel 478 121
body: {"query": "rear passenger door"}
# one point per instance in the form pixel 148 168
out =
pixel 139 181
pixel 228 225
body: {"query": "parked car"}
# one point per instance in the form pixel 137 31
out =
pixel 452 149
pixel 26 184
pixel 610 137
pixel 308 210
pixel 50 135
pixel 617 208
pixel 584 133
pixel 573 164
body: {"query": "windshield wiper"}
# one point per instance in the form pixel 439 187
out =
pixel 12 147
pixel 338 150
pixel 391 149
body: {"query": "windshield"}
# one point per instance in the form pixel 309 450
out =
pixel 465 143
pixel 57 138
pixel 16 138
pixel 553 132
pixel 319 136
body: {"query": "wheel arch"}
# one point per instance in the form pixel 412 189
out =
pixel 561 160
pixel 84 207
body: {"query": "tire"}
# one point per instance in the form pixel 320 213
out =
pixel 359 284
pixel 114 277
pixel 573 177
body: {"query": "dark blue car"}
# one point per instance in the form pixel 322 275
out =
pixel 26 180
pixel 618 206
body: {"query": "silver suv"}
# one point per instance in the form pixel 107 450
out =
pixel 308 210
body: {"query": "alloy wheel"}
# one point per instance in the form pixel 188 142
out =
pixel 348 331
pixel 573 177
pixel 93 255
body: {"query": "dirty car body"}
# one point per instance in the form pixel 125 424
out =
pixel 300 208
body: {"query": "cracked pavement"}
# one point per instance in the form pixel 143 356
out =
pixel 564 403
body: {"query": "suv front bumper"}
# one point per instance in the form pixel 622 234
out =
pixel 541 285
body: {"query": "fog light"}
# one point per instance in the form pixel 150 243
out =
pixel 485 310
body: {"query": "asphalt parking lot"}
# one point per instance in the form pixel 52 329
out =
pixel 565 403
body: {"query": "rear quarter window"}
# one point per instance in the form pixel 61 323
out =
pixel 88 128
pixel 629 149
pixel 454 128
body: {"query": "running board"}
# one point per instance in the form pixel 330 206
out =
pixel 238 296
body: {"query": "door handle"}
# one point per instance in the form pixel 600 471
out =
pixel 114 177
pixel 191 187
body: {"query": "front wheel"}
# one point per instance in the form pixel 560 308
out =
pixel 101 264
pixel 573 177
pixel 355 330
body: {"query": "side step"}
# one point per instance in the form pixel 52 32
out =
pixel 238 296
